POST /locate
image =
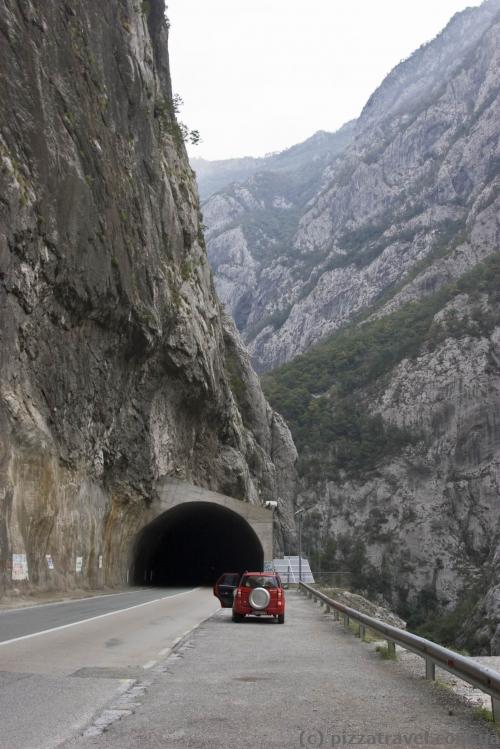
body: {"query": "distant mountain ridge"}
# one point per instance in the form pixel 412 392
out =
pixel 213 176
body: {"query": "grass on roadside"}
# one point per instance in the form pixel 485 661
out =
pixel 482 713
pixel 387 653
pixel 370 635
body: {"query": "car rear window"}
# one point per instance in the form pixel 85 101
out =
pixel 260 581
pixel 230 580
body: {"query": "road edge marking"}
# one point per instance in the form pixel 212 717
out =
pixel 167 652
pixel 94 618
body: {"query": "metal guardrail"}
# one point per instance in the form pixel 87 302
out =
pixel 333 578
pixel 434 655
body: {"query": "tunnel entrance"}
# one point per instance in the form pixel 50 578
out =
pixel 193 544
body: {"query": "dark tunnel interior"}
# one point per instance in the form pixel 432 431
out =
pixel 193 544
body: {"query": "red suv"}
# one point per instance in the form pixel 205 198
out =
pixel 259 593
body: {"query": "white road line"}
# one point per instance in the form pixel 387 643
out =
pixel 150 664
pixel 94 618
pixel 165 651
pixel 17 609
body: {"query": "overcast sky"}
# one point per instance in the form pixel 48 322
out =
pixel 260 75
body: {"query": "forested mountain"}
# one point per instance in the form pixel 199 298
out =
pixel 397 423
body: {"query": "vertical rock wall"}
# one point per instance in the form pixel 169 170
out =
pixel 116 368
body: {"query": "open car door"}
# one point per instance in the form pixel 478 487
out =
pixel 224 588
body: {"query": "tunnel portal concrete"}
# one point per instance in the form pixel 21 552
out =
pixel 195 535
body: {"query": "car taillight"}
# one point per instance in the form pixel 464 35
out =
pixel 279 594
pixel 238 593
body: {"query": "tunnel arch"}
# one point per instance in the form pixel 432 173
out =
pixel 193 544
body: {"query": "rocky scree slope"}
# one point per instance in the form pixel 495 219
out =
pixel 409 205
pixel 117 366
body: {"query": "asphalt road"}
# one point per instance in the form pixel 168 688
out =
pixel 307 683
pixel 17 623
pixel 60 664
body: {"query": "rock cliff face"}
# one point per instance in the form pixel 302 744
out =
pixel 409 205
pixel 117 366
pixel 251 227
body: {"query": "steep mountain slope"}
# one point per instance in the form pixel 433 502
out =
pixel 118 367
pixel 397 423
pixel 409 206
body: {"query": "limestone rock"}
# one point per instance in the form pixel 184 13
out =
pixel 116 363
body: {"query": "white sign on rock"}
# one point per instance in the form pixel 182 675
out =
pixel 50 563
pixel 19 567
pixel 79 564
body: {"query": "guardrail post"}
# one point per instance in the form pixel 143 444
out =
pixel 495 709
pixel 430 669
pixel 362 632
pixel 391 647
pixel 346 620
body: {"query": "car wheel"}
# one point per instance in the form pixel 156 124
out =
pixel 237 617
pixel 281 618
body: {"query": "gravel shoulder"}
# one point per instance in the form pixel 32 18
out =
pixel 308 683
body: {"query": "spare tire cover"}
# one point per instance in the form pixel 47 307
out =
pixel 259 598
